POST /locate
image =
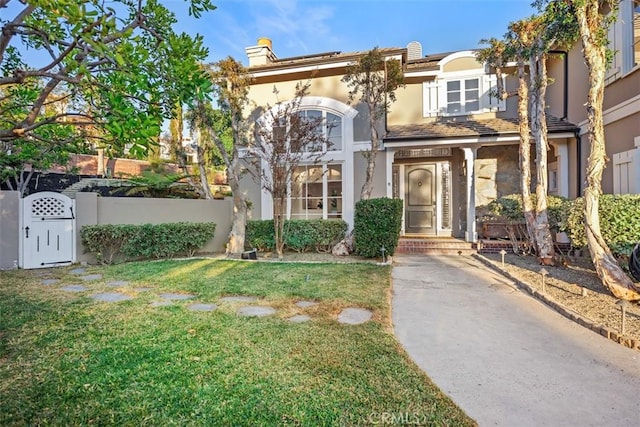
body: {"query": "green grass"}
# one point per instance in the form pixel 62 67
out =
pixel 67 360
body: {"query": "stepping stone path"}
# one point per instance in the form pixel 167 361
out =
pixel 78 271
pixel 256 311
pixel 111 297
pixel 117 283
pixel 305 304
pixel 74 288
pixel 350 316
pixel 300 318
pixel 202 307
pixel 90 277
pixel 238 299
pixel 354 316
pixel 176 297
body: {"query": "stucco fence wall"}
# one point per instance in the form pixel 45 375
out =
pixel 91 210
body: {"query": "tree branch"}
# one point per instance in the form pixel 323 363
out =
pixel 7 30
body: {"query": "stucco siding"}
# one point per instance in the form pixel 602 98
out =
pixel 9 229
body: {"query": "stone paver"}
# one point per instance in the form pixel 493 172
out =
pixel 117 283
pixel 110 297
pixel 74 288
pixel 90 277
pixel 49 282
pixel 238 298
pixel 78 271
pixel 256 311
pixel 354 316
pixel 202 307
pixel 305 304
pixel 161 303
pixel 300 318
pixel 176 297
pixel 142 289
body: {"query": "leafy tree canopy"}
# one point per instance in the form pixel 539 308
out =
pixel 78 70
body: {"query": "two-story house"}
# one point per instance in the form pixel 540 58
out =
pixel 449 146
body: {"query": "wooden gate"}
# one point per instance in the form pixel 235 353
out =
pixel 47 224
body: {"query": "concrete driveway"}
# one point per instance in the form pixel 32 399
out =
pixel 502 356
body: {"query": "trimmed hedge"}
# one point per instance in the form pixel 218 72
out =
pixel 619 222
pixel 121 242
pixel 377 224
pixel 301 235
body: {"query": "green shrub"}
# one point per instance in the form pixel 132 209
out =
pixel 510 208
pixel 300 235
pixel 377 224
pixel 106 241
pixel 619 222
pixel 111 242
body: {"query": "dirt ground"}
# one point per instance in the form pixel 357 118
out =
pixel 565 285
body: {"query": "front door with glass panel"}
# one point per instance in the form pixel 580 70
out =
pixel 420 197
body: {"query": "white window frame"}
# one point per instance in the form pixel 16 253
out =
pixel 325 201
pixel 621 41
pixel 434 95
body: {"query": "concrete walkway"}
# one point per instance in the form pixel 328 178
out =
pixel 502 356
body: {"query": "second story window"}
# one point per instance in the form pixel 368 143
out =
pixel 463 96
pixel 331 127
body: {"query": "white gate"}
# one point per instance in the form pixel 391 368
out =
pixel 47 224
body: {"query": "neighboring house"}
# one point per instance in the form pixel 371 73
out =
pixel 621 105
pixel 189 147
pixel 449 146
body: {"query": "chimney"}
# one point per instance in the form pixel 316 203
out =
pixel 414 51
pixel 262 53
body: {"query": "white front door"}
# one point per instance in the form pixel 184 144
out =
pixel 48 230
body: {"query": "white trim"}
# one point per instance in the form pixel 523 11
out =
pixel 447 142
pixel 469 159
pixel 431 73
pixel 457 55
pixel 617 112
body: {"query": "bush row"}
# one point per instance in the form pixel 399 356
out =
pixel 377 225
pixel 619 218
pixel 120 242
pixel 300 235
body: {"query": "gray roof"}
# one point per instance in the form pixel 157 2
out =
pixel 454 128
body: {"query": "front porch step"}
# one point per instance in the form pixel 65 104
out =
pixel 410 245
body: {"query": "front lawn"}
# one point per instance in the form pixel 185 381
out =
pixel 66 359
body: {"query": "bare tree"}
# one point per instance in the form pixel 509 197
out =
pixel 373 81
pixel 286 139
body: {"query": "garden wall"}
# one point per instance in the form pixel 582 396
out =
pixel 91 210
pixel 124 210
pixel 9 226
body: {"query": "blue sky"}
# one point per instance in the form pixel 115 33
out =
pixel 301 27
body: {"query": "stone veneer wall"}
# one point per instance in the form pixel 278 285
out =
pixel 497 173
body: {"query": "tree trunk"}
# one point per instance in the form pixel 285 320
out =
pixel 612 276
pixel 279 204
pixel 371 155
pixel 239 221
pixel 542 232
pixel 204 181
pixel 525 153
